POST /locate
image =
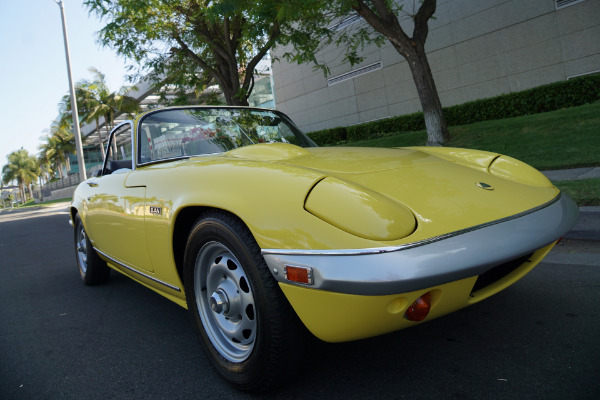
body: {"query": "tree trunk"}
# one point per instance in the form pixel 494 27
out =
pixel 435 122
pixel 22 192
pixel 107 129
pixel 100 139
pixel 232 100
pixel 41 188
pixel 383 19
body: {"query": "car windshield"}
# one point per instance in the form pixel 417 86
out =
pixel 184 132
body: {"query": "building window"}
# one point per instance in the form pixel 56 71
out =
pixel 345 22
pixel 558 4
pixel 353 74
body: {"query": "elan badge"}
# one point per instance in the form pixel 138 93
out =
pixel 155 210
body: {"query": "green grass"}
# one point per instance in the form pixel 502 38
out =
pixel 49 202
pixel 567 138
pixel 32 203
pixel 585 192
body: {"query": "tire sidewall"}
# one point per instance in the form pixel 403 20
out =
pixel 78 227
pixel 215 229
pixel 97 271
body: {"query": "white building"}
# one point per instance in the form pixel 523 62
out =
pixel 476 49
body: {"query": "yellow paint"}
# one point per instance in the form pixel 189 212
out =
pixel 367 198
pixel 173 295
pixel 360 211
pixel 471 158
pixel 513 277
pixel 337 317
pixel 268 152
pixel 517 171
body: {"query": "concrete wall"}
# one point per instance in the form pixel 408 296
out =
pixel 476 49
pixel 59 194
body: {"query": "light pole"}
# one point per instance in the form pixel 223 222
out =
pixel 77 133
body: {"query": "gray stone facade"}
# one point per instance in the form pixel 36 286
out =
pixel 476 49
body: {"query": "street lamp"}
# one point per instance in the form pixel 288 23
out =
pixel 78 145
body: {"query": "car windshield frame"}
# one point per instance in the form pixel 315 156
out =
pixel 177 133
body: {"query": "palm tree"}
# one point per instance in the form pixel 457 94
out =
pixel 21 167
pixel 45 164
pixel 59 144
pixel 95 101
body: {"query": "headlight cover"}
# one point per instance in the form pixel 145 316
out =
pixel 359 211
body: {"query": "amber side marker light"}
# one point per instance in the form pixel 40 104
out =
pixel 298 274
pixel 418 310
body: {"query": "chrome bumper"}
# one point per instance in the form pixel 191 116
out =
pixel 439 260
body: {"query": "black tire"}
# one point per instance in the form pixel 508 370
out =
pixel 92 269
pixel 246 326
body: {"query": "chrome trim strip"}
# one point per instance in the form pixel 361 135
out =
pixel 390 249
pixel 441 261
pixel 138 272
pixel 110 137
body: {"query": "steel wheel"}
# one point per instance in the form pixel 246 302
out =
pixel 92 268
pixel 81 248
pixel 225 302
pixel 247 328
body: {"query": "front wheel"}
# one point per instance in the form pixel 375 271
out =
pixel 247 328
pixel 92 269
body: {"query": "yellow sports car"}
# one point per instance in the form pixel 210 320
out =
pixel 237 216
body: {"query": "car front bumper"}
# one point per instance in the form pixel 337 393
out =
pixel 443 259
pixel 365 292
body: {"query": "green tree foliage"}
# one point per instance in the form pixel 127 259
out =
pixel 95 101
pixel 193 43
pixel 382 20
pixel 59 143
pixel 21 167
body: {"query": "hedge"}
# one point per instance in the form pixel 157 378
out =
pixel 564 94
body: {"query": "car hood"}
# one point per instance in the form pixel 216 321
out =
pixel 444 194
pixel 336 159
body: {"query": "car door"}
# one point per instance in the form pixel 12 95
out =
pixel 115 210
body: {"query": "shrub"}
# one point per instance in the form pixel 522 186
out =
pixel 329 137
pixel 564 94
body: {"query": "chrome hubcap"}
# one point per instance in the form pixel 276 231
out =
pixel 219 302
pixel 225 302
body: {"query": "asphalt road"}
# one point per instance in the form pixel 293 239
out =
pixel 539 339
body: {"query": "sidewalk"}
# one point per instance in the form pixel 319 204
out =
pixel 581 245
pixel 572 174
pixel 587 227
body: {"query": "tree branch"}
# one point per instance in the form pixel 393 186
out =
pixel 425 12
pixel 387 26
pixel 198 60
pixel 249 77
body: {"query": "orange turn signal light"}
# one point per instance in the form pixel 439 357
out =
pixel 298 274
pixel 418 310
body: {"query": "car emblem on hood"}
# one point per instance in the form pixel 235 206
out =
pixel 485 186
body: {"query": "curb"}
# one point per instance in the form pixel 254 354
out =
pixel 572 174
pixel 587 226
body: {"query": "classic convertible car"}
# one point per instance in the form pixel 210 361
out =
pixel 237 216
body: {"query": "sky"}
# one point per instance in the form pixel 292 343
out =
pixel 33 71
